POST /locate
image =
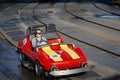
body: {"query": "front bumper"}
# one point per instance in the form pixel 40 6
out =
pixel 70 71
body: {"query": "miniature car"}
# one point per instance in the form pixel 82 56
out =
pixel 55 58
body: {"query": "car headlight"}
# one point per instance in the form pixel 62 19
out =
pixel 84 65
pixel 54 68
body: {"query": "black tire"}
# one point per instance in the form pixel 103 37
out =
pixel 22 58
pixel 39 70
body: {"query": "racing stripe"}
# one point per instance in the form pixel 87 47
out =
pixel 69 51
pixel 52 54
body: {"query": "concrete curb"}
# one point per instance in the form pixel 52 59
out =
pixel 22 26
pixel 8 38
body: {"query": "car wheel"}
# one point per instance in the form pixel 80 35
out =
pixel 39 70
pixel 22 58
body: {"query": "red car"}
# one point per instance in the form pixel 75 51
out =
pixel 56 58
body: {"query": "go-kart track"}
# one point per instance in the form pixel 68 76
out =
pixel 79 23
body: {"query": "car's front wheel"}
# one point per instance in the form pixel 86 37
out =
pixel 22 58
pixel 38 69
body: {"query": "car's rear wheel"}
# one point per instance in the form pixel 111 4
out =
pixel 38 69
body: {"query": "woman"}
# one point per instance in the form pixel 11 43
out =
pixel 38 40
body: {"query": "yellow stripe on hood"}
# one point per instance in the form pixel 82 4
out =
pixel 52 54
pixel 69 51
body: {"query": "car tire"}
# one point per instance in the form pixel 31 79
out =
pixel 38 69
pixel 22 58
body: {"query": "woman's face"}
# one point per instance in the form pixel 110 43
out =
pixel 38 33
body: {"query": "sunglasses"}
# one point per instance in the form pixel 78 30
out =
pixel 38 33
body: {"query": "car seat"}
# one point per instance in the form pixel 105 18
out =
pixel 51 34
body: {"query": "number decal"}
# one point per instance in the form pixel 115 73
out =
pixel 24 41
pixel 55 56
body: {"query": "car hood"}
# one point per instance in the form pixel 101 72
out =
pixel 61 53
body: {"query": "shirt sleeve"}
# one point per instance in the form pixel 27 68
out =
pixel 34 42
